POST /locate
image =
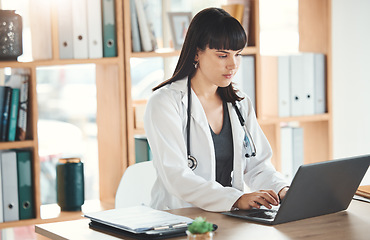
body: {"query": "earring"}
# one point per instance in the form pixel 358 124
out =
pixel 195 64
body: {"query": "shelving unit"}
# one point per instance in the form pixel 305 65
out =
pixel 111 121
pixel 115 118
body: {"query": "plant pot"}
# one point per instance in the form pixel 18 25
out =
pixel 201 236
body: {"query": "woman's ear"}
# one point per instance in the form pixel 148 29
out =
pixel 196 58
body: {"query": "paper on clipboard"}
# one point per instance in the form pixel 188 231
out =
pixel 139 219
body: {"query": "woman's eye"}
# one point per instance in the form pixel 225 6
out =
pixel 222 56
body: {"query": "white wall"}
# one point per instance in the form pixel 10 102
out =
pixel 351 78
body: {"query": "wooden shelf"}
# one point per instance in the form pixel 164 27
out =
pixel 311 118
pixel 17 144
pixel 163 52
pixel 54 62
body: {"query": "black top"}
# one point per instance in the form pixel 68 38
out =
pixel 224 151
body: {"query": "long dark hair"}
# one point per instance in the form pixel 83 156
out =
pixel 215 28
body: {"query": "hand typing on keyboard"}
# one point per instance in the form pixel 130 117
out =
pixel 257 199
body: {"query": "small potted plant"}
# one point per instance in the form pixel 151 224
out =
pixel 200 229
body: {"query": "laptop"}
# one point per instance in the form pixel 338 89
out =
pixel 316 189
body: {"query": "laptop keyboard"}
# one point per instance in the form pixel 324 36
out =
pixel 258 213
pixel 262 213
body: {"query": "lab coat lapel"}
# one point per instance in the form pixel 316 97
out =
pixel 199 118
pixel 238 137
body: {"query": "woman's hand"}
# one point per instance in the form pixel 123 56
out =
pixel 283 192
pixel 256 199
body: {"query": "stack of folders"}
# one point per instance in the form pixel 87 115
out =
pixel 140 222
pixel 16 202
pixel 13 106
pixel 301 81
pixel 86 29
pixel 292 150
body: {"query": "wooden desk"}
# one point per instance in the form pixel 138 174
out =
pixel 354 223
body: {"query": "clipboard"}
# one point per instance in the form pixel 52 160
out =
pixel 152 235
pixel 140 222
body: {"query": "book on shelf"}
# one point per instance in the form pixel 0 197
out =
pixel 135 34
pixel 13 114
pixel 13 107
pixel 5 113
pixel 23 108
pixel 235 10
pixel 246 12
pixel 144 28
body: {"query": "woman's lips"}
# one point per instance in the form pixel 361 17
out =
pixel 228 75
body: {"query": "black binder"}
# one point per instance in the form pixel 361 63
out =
pixel 139 222
pixel 152 234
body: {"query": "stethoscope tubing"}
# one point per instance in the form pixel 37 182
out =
pixel 248 140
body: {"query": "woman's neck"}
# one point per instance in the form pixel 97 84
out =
pixel 203 89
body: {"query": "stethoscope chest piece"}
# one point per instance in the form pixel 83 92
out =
pixel 192 162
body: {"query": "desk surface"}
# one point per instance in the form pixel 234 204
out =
pixel 354 223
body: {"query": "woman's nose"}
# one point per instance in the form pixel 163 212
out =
pixel 232 63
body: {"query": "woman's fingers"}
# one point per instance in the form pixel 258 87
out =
pixel 271 197
pixel 256 199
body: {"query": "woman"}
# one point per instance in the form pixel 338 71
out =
pixel 210 131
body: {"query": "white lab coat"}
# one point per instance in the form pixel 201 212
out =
pixel 177 185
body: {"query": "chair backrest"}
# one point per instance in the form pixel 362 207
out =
pixel 136 184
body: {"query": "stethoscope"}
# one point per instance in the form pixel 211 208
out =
pixel 248 142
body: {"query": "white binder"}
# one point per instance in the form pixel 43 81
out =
pixel 298 148
pixel 249 85
pixel 245 78
pixel 320 84
pixel 79 16
pixel 286 152
pixel 284 86
pixel 291 150
pixel 297 85
pixel 308 81
pixel 94 27
pixel 40 22
pixel 9 185
pixel 65 24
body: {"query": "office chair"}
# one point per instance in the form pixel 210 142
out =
pixel 136 184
